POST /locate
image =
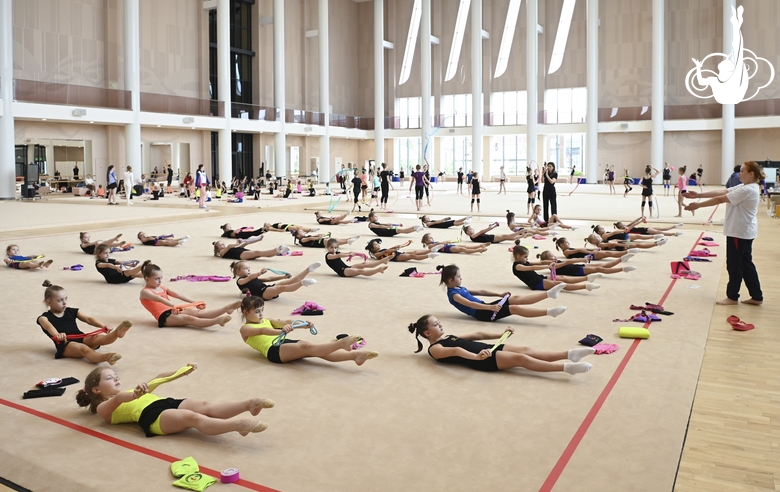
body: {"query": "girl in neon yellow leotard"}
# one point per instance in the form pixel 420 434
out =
pixel 158 416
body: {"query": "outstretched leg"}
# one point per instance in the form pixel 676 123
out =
pixel 175 420
pixel 294 351
pixel 226 410
pixel 76 350
pixel 108 338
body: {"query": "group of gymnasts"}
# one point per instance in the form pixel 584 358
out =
pixel 103 392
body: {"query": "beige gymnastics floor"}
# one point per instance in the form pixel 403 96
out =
pixel 398 422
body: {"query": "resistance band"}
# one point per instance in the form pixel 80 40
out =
pixel 278 272
pixel 23 259
pixel 501 340
pixel 154 383
pixel 196 304
pixel 81 336
pixel 500 303
pixel 298 323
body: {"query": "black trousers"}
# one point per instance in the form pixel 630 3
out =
pixel 549 201
pixel 385 192
pixel 739 264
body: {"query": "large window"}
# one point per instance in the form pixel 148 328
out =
pixel 408 153
pixel 456 154
pixel 565 105
pixel 456 110
pixel 509 151
pixel 242 155
pixel 509 108
pixel 565 151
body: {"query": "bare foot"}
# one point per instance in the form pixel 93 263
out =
pixel 224 320
pixel 235 306
pixel 349 341
pixel 257 404
pixel 363 356
pixel 752 302
pixel 121 330
pixel 247 426
pixel 113 358
pixel 384 267
pixel 726 302
pixel 386 259
pixel 47 263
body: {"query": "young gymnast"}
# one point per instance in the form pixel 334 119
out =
pixel 465 302
pixel 158 416
pixel 339 219
pixel 536 220
pixel 113 272
pixel 394 252
pixel 571 267
pixel 682 188
pixel 88 246
pixel 530 189
pixel 389 230
pixel 627 182
pixel 563 245
pixel 525 271
pixel 623 235
pixel 282 227
pixel 622 245
pixel 334 260
pixel 647 188
pixel 239 252
pixel 260 333
pixel 444 223
pixel 667 179
pixel 483 236
pixel 475 191
pixel 452 247
pixel 14 260
pixel 160 240
pixel 652 231
pixel 59 324
pixel 468 351
pixel 252 284
pixel 240 233
pixel 519 226
pixel 157 300
pixel 318 240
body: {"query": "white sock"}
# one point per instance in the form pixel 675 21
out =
pixel 282 249
pixel 678 233
pixel 626 257
pixel 433 255
pixel 556 311
pixel 594 276
pixel 574 228
pixel 554 233
pixel 634 250
pixel 418 228
pixel 352 239
pixel 553 293
pixel 576 354
pixel 315 229
pixel 438 247
pixel 659 236
pixel 677 226
pixel 469 217
pixel 314 266
pixel 629 268
pixel 310 281
pixel 661 242
pixel 576 367
pixel 591 286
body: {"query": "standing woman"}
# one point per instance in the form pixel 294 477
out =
pixel 460 180
pixel 201 181
pixel 112 184
pixel 384 184
pixel 667 177
pixel 740 228
pixel 549 197
pixel 129 180
pixel 530 189
pixel 647 188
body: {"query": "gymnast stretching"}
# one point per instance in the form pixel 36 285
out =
pixel 519 226
pixel 563 245
pixel 572 268
pixel 157 300
pixel 252 284
pixel 14 260
pixel 158 416
pixel 653 231
pixel 240 233
pixel 88 246
pixel 622 245
pixel 453 247
pixel 465 302
pixel 623 235
pixel 59 324
pixel 167 240
pixel 282 227
pixel 334 260
pixel 339 219
pixel 444 223
pixel 389 230
pixel 483 236
pixel 525 271
pixel 113 272
pixel 537 220
pixel 260 333
pixel 239 252
pixel 394 252
pixel 318 240
pixel 468 351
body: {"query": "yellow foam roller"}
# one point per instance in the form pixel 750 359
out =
pixel 633 332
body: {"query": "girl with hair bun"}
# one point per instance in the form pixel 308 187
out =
pixel 444 223
pixel 562 244
pixel 59 324
pixel 452 247
pixel 394 252
pixel 251 284
pixel 88 246
pixel 682 189
pixel 113 272
pixel 573 268
pixel 317 240
pixel 237 251
pixel 469 351
pixel 525 271
pixel 14 260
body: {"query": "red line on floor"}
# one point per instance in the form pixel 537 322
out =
pixel 119 442
pixel 713 213
pixel 560 465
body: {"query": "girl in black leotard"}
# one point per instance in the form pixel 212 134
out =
pixel 113 272
pixel 575 268
pixel 563 245
pixel 475 191
pixel 341 219
pixel 468 351
pixel 389 230
pixel 238 252
pixel 240 233
pixel 647 188
pixel 282 227
pixel 667 178
pixel 444 223
pixel 252 284
pixel 525 271
pixel 88 246
pixel 318 240
pixel 530 189
pixel 385 185
pixel 483 236
pixel 623 235
pixel 334 259
pixel 653 231
pixel 377 252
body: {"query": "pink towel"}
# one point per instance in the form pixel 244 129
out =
pixel 708 243
pixel 605 348
pixel 307 305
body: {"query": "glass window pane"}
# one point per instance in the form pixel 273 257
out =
pixel 522 108
pixel 551 105
pixel 564 105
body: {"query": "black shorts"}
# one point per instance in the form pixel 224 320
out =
pixel 149 242
pixel 384 232
pixel 151 413
pixel 319 243
pixel 163 318
pixel 418 192
pixel 118 279
pixel 647 192
pixel 638 230
pixel 485 315
pixel 576 254
pixel 112 186
pixel 60 346
pixel 484 238
pixel 487 365
pixel 273 352
pixel 443 225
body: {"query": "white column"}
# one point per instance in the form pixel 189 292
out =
pixel 532 79
pixel 657 109
pixel 476 86
pixel 225 148
pixel 425 82
pixel 7 157
pixel 727 133
pixel 133 85
pixel 592 82
pixel 280 140
pixel 324 172
pixel 379 81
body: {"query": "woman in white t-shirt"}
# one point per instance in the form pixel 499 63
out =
pixel 129 183
pixel 740 228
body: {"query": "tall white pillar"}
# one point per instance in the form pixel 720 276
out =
pixel 280 140
pixel 133 85
pixel 657 103
pixel 225 150
pixel 324 172
pixel 532 79
pixel 592 83
pixel 379 81
pixel 7 157
pixel 476 86
pixel 727 133
pixel 425 82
